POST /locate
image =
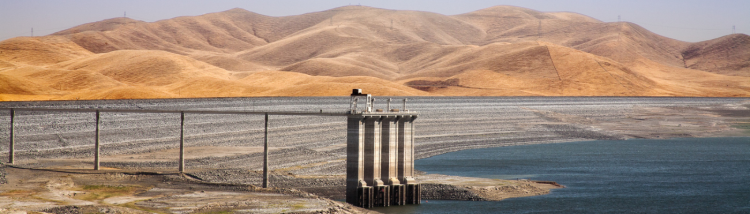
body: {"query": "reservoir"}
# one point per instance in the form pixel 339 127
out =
pixel 697 175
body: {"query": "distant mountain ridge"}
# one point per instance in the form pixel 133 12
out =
pixel 497 51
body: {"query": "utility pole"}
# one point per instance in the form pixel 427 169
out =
pixel 391 24
pixel 734 29
pixel 618 18
pixel 32 32
pixel 265 155
pixel 125 14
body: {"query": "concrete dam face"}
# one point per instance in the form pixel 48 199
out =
pixel 380 155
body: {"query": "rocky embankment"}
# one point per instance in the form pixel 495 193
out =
pixel 448 192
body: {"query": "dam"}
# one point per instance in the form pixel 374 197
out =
pixel 379 146
pixel 380 154
pixel 445 124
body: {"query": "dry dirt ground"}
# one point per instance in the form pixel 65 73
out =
pixel 118 191
pixel 223 159
pixel 108 191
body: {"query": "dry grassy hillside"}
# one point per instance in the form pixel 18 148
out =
pixel 39 51
pixel 146 74
pixel 570 72
pixel 728 55
pixel 498 51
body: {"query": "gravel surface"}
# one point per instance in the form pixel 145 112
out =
pixel 73 209
pixel 448 192
pixel 315 145
pixel 3 180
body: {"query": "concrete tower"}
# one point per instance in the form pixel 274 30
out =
pixel 380 155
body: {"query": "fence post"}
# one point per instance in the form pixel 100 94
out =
pixel 182 141
pixel 265 155
pixel 404 104
pixel 96 150
pixel 12 144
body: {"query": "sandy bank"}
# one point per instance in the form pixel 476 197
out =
pixel 444 187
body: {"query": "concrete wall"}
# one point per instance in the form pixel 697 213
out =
pixel 380 160
pixel 355 164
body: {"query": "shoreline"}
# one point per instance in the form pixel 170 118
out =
pixel 446 187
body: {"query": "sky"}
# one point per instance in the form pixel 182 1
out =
pixel 686 20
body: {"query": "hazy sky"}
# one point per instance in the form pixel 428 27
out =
pixel 687 20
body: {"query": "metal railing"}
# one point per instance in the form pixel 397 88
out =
pixel 182 113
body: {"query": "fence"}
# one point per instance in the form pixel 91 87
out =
pixel 182 128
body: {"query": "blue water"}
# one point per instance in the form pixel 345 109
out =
pixel 708 175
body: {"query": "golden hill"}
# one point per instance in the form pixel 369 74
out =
pixel 726 55
pixel 498 51
pixel 144 74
